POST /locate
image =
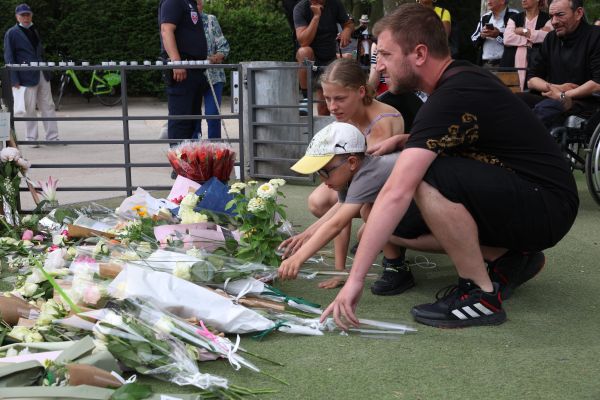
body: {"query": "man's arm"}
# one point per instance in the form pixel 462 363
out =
pixel 389 208
pixel 306 34
pixel 167 32
pixel 9 58
pixel 346 34
pixel 326 232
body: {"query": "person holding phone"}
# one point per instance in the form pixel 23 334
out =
pixel 489 35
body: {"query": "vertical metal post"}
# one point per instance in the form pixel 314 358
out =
pixel 240 94
pixel 251 116
pixel 126 145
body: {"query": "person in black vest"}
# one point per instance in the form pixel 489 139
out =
pixel 524 35
pixel 489 35
pixel 182 38
pixel 566 72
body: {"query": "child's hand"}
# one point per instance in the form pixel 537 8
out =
pixel 332 283
pixel 292 244
pixel 288 269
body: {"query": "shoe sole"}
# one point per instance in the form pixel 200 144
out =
pixel 394 292
pixel 509 289
pixel 494 319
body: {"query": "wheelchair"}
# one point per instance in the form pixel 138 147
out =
pixel 579 140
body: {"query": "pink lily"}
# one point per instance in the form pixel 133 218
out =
pixel 27 235
pixel 49 188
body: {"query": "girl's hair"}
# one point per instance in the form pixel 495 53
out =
pixel 348 74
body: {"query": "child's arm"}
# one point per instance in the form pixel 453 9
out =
pixel 327 231
pixel 292 244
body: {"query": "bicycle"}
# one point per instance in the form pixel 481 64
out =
pixel 103 84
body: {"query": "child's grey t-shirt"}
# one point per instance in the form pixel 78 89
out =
pixel 369 179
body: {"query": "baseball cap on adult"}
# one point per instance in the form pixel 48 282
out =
pixel 336 138
pixel 23 9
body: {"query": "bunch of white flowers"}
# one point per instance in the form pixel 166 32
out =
pixel 49 311
pixel 25 335
pixel 237 188
pixel 266 191
pixel 189 216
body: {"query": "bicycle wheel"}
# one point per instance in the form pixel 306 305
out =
pixel 592 165
pixel 110 99
pixel 64 81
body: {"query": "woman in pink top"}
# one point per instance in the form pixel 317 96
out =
pixel 524 34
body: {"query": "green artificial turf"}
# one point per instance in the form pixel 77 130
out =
pixel 548 349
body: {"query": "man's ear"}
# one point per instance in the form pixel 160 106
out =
pixel 354 162
pixel 421 52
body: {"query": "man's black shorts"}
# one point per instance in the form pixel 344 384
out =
pixel 510 211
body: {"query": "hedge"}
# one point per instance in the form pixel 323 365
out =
pixel 128 30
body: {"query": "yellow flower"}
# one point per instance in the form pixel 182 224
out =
pixel 142 211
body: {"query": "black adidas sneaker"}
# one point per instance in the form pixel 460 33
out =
pixel 462 305
pixel 514 268
pixel 395 279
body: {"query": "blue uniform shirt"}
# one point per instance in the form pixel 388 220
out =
pixel 189 35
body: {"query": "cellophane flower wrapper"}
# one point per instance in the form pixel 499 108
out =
pixel 186 300
pixel 197 336
pixel 202 160
pixel 150 351
pixel 141 198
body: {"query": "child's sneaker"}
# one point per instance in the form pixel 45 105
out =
pixel 395 279
pixel 462 305
pixel 514 268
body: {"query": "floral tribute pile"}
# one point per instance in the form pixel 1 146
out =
pixel 202 160
pixel 92 296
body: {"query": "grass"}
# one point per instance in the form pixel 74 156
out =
pixel 548 349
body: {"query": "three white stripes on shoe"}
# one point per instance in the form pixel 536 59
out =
pixel 467 309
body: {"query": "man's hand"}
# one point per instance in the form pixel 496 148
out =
pixel 344 305
pixel 490 33
pixel 179 74
pixel 216 58
pixel 317 9
pixel 388 145
pixel 345 37
pixel 288 269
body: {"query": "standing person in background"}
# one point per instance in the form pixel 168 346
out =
pixel 489 34
pixel 288 10
pixel 524 35
pixel 364 41
pixel 22 44
pixel 182 38
pixel 441 12
pixel 316 30
pixel 217 50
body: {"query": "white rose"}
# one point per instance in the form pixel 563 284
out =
pixel 9 154
pixel 164 325
pixel 28 289
pixel 190 200
pixel 266 191
pixel 33 337
pixel 55 260
pixel 182 270
pixel 58 239
pixel 23 164
pixel 18 332
pixel 113 319
pixel 192 217
pixel 36 276
pixel 194 252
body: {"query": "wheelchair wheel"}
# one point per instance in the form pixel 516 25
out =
pixel 592 165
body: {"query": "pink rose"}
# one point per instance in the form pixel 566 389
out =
pixel 27 235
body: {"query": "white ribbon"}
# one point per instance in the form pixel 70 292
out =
pixel 131 379
pixel 203 381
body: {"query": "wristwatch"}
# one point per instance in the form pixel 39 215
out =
pixel 563 96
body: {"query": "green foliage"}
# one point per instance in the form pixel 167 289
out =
pixel 128 30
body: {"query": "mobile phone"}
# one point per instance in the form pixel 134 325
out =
pixel 489 26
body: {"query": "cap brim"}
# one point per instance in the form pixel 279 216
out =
pixel 311 164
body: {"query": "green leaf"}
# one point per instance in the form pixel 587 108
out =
pixel 132 391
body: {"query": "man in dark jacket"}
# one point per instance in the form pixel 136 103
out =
pixel 22 45
pixel 566 71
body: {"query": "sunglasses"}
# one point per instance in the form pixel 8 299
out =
pixel 326 173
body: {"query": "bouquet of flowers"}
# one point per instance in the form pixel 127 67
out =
pixel 201 160
pixel 261 220
pixel 12 166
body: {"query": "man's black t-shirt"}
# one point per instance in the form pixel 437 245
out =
pixel 472 114
pixel 189 34
pixel 324 44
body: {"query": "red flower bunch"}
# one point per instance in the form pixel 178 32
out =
pixel 200 161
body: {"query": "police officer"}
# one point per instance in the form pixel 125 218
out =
pixel 182 38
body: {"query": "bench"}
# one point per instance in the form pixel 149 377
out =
pixel 510 79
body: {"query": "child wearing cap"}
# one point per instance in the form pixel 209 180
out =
pixel 337 154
